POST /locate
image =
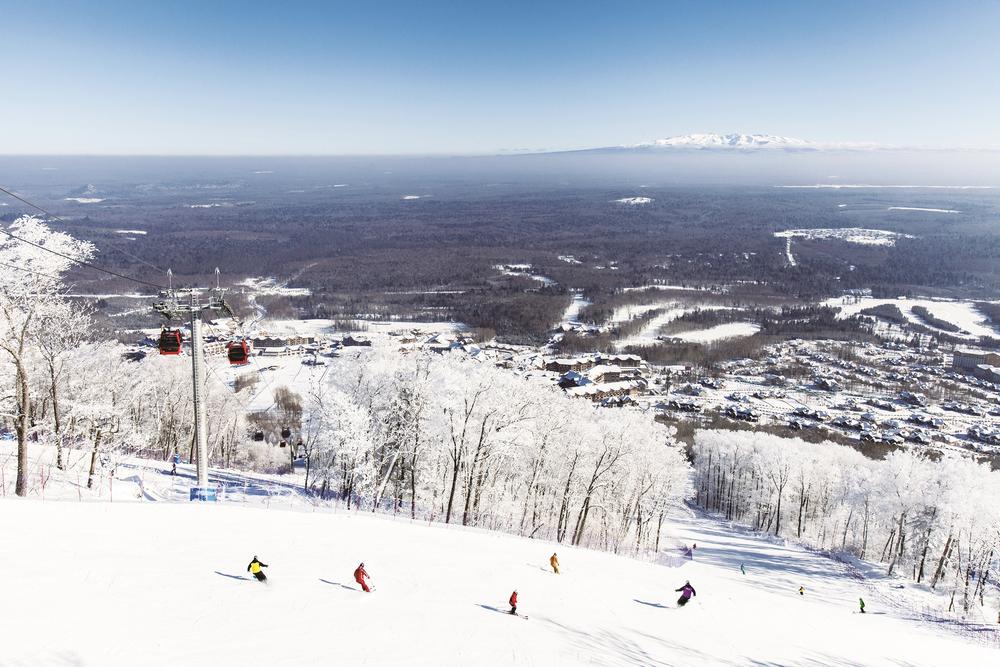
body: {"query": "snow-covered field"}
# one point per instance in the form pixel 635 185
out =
pixel 158 583
pixel 962 314
pixel 271 287
pixel 648 334
pixel 847 234
pixel 664 287
pixel 719 332
pixel 925 210
pixel 572 312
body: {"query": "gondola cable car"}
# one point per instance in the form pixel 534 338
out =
pixel 170 342
pixel 238 353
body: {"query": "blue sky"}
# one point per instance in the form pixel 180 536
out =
pixel 466 77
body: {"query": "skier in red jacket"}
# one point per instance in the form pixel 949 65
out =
pixel 513 603
pixel 360 575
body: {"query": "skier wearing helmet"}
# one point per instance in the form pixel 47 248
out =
pixel 686 591
pixel 360 575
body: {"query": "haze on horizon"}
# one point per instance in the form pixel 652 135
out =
pixel 310 78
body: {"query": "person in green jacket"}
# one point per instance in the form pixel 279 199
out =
pixel 861 601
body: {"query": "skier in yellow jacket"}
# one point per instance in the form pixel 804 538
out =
pixel 254 568
pixel 554 562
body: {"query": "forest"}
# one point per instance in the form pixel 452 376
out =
pixel 439 438
pixel 364 249
pixel 936 522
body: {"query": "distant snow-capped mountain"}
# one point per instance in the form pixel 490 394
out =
pixel 728 141
pixel 734 141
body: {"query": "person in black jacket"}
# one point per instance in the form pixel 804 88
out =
pixel 254 568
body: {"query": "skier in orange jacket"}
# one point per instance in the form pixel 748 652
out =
pixel 554 562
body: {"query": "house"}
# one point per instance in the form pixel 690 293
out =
pixel 572 379
pixel 622 360
pixel 351 341
pixel 578 364
pixel 600 391
pixel 605 373
pixel 968 361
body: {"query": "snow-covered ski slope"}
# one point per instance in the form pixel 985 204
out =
pixel 159 583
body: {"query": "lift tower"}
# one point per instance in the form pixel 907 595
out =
pixel 190 304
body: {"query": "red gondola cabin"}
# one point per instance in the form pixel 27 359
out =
pixel 170 342
pixel 239 353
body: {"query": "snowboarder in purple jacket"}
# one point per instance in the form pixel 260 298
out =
pixel 686 591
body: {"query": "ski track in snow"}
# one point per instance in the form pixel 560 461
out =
pixel 788 252
pixel 962 314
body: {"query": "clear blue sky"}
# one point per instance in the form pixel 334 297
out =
pixel 451 77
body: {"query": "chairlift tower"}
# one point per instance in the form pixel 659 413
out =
pixel 190 304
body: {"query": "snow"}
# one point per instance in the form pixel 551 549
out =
pixel 160 583
pixel 135 232
pixel 634 201
pixel 719 332
pixel 271 286
pixel 847 234
pixel 569 259
pixel 728 141
pixel 524 271
pixel 788 252
pixel 664 287
pixel 962 314
pixel 572 312
pixel 926 210
pixel 264 171
pixel 410 197
pixel 85 200
pixel 212 205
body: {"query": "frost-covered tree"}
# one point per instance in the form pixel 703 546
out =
pixel 32 309
pixel 935 520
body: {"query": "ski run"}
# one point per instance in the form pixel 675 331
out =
pixel 135 582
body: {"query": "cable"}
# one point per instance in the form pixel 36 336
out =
pixel 66 222
pixel 82 262
pixel 37 273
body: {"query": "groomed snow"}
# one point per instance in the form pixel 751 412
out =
pixel 158 583
pixel 572 312
pixel 962 314
pixel 925 210
pixel 847 234
pixel 648 334
pixel 719 332
pixel 271 287
pixel 665 287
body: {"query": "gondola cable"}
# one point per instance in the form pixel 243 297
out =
pixel 66 222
